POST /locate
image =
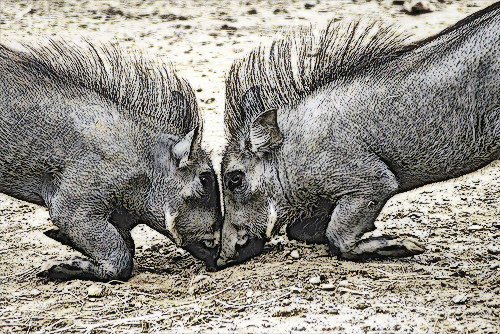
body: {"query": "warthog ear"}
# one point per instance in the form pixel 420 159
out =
pixel 183 151
pixel 264 132
pixel 251 102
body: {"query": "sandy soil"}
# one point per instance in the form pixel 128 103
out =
pixel 453 287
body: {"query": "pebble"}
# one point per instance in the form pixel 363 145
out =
pixel 35 292
pixel 249 293
pixel 418 7
pixel 475 227
pixel 492 249
pixel 96 291
pixel 328 287
pixel 454 265
pixel 294 289
pixel 315 280
pixel 459 299
pixel 494 266
pixel 497 225
pixel 295 254
pixel 311 4
pixel 344 284
pixel 200 278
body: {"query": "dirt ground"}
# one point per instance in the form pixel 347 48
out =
pixel 453 287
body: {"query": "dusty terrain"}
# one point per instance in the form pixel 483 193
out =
pixel 453 287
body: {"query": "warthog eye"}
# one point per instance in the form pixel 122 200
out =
pixel 210 243
pixel 234 180
pixel 205 179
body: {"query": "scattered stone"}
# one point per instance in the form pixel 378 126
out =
pixel 418 7
pixel 299 328
pixel 475 227
pixel 310 4
pixel 35 292
pixel 328 287
pixel 460 299
pixel 361 306
pixel 315 280
pixel 494 266
pixel 294 289
pixel 252 11
pixel 249 293
pixel 280 10
pixel 199 278
pixel 286 302
pixel 344 284
pixel 295 254
pixel 415 215
pixel 454 265
pixel 492 249
pixel 96 291
pixel 288 311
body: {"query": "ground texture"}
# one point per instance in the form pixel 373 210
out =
pixel 453 287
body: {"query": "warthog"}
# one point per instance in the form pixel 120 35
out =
pixel 322 131
pixel 105 142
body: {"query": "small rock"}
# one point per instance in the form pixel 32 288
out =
pixel 492 249
pixel 328 287
pixel 96 291
pixel 299 328
pixel 295 254
pixel 418 7
pixel 497 225
pixel 344 284
pixel 315 280
pixel 475 227
pixel 252 11
pixel 454 265
pixel 35 292
pixel 200 278
pixel 310 4
pixel 460 299
pixel 249 293
pixel 361 306
pixel 415 215
pixel 494 266
pixel 294 289
pixel 286 302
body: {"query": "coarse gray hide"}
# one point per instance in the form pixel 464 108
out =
pixel 319 141
pixel 105 141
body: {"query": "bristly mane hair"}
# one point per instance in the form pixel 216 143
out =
pixel 149 94
pixel 299 63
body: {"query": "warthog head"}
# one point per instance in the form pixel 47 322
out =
pixel 251 187
pixel 184 197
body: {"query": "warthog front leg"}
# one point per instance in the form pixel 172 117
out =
pixel 109 256
pixel 109 250
pixel 123 221
pixel 355 214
